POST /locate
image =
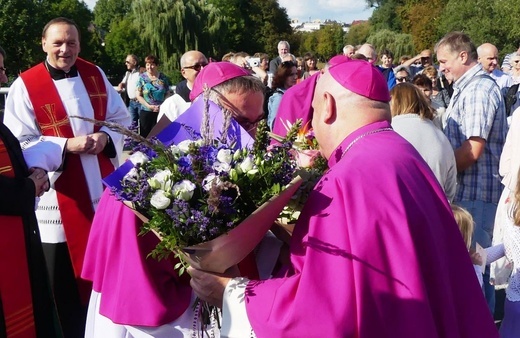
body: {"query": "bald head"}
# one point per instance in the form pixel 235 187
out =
pixel 191 64
pixel 338 112
pixel 369 52
pixel 488 57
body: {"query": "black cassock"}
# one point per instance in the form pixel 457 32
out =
pixel 17 196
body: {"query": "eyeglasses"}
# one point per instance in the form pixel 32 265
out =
pixel 516 61
pixel 401 79
pixel 196 67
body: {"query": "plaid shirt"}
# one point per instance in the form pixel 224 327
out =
pixel 477 109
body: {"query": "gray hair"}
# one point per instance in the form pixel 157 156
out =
pixel 401 68
pixel 282 42
pixel 240 84
pixel 458 42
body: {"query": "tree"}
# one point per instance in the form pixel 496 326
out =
pixel 254 25
pixel 20 33
pixel 107 12
pixel 170 28
pixel 399 44
pixel 358 34
pixel 330 41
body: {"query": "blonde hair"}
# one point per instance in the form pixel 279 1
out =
pixel 465 223
pixel 408 99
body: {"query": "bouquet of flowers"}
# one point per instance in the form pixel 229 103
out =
pixel 310 166
pixel 198 191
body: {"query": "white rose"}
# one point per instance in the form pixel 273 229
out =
pixel 184 146
pixel 132 175
pixel 224 156
pixel 159 200
pixel 209 180
pixel 139 157
pixel 247 164
pixel 161 180
pixel 184 190
pixel 221 167
pixel 175 150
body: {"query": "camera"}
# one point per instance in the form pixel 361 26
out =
pixel 253 62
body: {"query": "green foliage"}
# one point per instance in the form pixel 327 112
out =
pixel 108 12
pixel 330 41
pixel 384 16
pixel 358 34
pixel 399 44
pixel 171 28
pixel 253 26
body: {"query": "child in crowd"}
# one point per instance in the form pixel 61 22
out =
pixel 466 226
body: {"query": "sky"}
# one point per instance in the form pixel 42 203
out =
pixel 303 10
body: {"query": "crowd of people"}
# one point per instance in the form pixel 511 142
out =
pixel 417 218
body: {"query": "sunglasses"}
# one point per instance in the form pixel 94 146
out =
pixel 3 69
pixel 196 67
pixel 516 61
pixel 401 79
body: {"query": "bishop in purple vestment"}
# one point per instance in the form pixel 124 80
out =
pixel 376 252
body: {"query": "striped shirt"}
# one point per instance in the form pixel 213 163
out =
pixel 477 110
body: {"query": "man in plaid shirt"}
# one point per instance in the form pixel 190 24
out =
pixel 476 128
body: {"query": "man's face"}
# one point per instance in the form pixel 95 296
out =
pixel 489 59
pixel 349 52
pixel 283 49
pixel 130 63
pixel 195 62
pixel 451 63
pixel 401 76
pixel 3 77
pixel 61 43
pixel 247 108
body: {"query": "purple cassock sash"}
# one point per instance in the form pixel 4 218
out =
pixel 136 289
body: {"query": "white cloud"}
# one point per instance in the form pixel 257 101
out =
pixel 340 10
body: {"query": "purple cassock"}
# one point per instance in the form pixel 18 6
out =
pixel 376 253
pixel 136 289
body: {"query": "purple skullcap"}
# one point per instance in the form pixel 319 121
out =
pixel 214 74
pixel 337 59
pixel 362 78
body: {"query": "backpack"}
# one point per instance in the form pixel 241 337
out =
pixel 510 98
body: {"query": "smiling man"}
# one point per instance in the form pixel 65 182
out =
pixel 74 152
pixel 476 128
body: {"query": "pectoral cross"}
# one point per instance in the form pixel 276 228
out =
pixel 97 97
pixel 54 123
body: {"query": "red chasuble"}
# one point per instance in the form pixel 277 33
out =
pixel 15 291
pixel 71 187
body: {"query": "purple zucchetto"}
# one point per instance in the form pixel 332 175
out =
pixel 214 74
pixel 362 78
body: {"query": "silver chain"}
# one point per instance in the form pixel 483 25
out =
pixel 363 135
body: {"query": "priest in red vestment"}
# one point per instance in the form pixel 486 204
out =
pixel 39 110
pixel 376 252
pixel 27 309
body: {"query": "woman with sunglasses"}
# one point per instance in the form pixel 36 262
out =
pixel 153 87
pixel 285 77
